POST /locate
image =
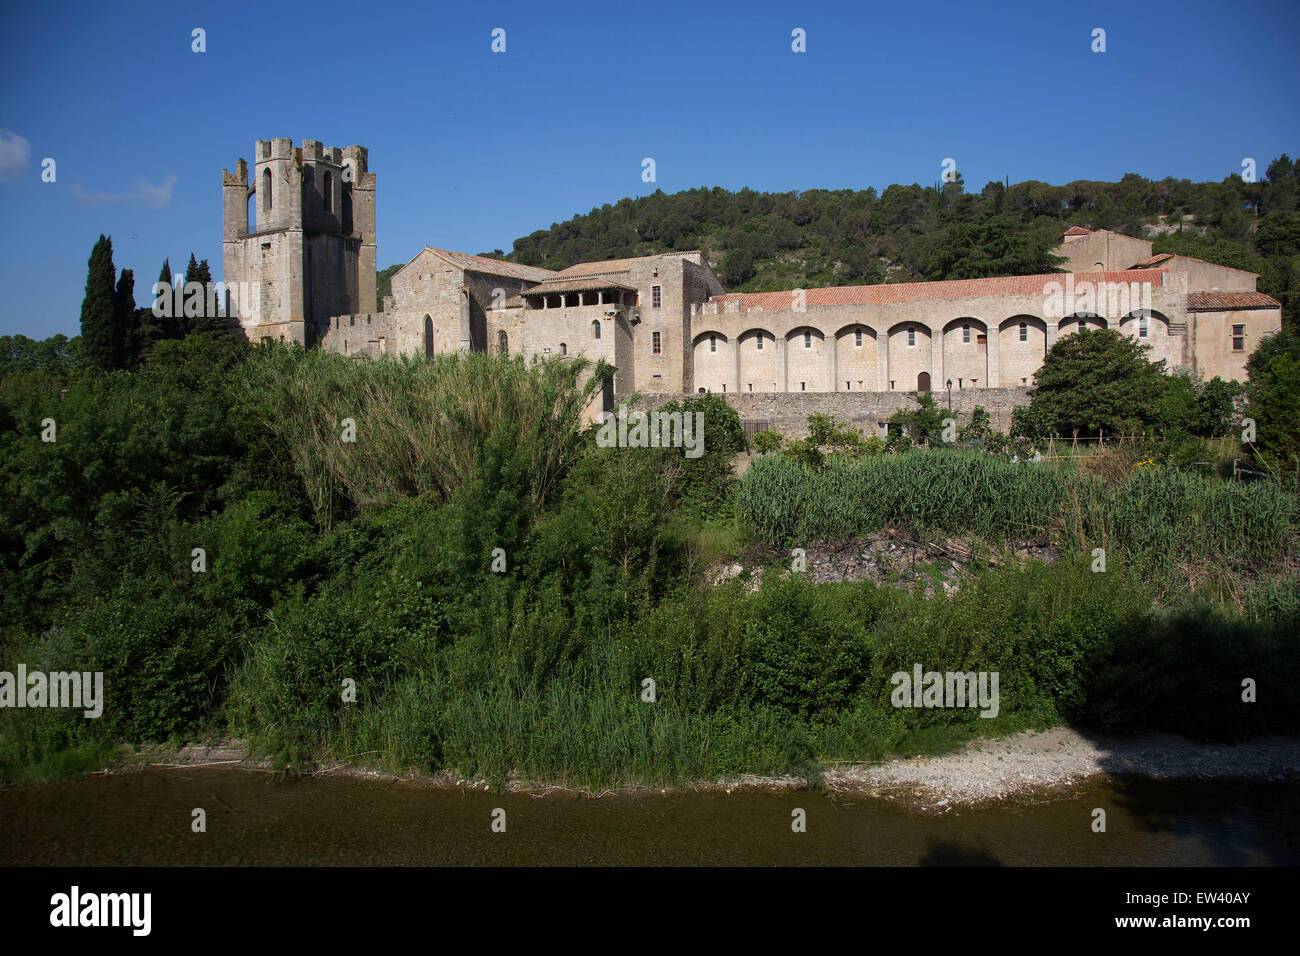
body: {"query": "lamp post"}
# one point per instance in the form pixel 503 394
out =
pixel 949 395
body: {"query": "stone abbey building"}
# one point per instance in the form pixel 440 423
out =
pixel 304 265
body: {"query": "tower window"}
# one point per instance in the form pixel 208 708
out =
pixel 1024 331
pixel 656 296
pixel 655 344
pixel 266 190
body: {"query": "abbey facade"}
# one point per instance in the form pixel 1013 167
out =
pixel 304 267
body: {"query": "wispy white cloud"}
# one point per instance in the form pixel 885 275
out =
pixel 15 152
pixel 145 193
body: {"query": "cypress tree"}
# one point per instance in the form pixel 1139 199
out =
pixel 168 327
pixel 125 339
pixel 99 307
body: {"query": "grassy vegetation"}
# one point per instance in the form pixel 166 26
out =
pixel 333 564
pixel 1156 521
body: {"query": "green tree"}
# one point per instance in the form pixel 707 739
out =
pixel 99 308
pixel 994 246
pixel 1099 380
pixel 1273 394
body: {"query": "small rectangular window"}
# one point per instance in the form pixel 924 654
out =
pixel 1142 327
pixel 857 337
pixel 965 333
pixel 656 297
pixel 1238 338
pixel 760 342
pixel 807 340
pixel 803 386
pixel 713 343
pixel 911 336
pixel 1024 331
pixel 654 343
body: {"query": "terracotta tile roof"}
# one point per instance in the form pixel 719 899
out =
pixel 891 294
pixel 579 284
pixel 609 266
pixel 492 267
pixel 1228 301
pixel 1147 263
pixel 1078 231
pixel 1167 256
pixel 597 268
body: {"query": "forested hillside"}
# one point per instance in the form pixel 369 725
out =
pixel 760 241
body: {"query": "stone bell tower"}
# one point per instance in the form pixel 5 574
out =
pixel 307 249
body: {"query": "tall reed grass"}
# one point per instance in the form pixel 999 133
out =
pixel 420 424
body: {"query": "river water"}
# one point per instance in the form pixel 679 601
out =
pixel 259 818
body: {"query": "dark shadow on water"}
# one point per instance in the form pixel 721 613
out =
pixel 950 854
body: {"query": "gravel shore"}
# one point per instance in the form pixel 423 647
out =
pixel 1005 767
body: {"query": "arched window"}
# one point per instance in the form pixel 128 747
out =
pixel 564 349
pixel 327 191
pixel 595 328
pixel 503 343
pixel 266 189
pixel 428 337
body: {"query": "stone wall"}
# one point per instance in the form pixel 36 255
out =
pixel 788 412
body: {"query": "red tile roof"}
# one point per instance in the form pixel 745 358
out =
pixel 1228 301
pixel 492 267
pixel 1159 257
pixel 893 293
pixel 1078 231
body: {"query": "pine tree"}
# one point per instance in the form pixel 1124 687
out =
pixel 99 307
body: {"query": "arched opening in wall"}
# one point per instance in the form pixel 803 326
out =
pixel 595 328
pixel 564 349
pixel 327 191
pixel 266 189
pixel 856 358
pixel 806 361
pixel 250 208
pixel 503 343
pixel 1081 322
pixel 923 382
pixel 428 337
pixel 966 351
pixel 1022 345
pixel 713 363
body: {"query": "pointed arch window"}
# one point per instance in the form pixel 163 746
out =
pixel 503 343
pixel 595 328
pixel 428 337
pixel 266 190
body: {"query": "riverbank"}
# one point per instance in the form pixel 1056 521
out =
pixel 1032 764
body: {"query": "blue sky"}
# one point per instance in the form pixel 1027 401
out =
pixel 473 149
